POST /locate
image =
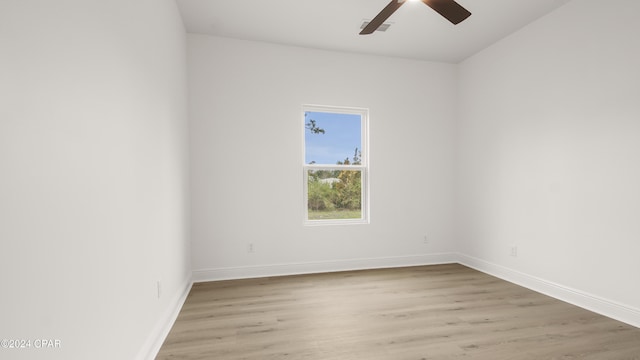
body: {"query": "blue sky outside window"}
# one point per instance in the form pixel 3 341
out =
pixel 341 137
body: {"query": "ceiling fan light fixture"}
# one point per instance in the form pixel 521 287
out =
pixel 449 9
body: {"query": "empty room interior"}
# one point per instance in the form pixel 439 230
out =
pixel 157 196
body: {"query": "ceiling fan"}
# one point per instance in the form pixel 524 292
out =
pixel 450 9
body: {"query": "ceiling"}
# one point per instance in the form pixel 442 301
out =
pixel 417 32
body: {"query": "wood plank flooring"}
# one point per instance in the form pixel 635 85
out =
pixel 429 312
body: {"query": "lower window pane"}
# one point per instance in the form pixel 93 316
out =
pixel 334 194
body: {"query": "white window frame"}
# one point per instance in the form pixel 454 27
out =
pixel 363 167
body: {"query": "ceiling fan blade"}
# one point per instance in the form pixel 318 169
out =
pixel 381 17
pixel 450 9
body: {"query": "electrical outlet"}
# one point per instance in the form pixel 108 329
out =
pixel 251 248
pixel 425 240
pixel 514 251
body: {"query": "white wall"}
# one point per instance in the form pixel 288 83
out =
pixel 92 174
pixel 246 151
pixel 549 149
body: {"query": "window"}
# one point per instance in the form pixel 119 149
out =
pixel 335 165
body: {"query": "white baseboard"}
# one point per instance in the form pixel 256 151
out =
pixel 320 267
pixel 154 341
pixel 579 298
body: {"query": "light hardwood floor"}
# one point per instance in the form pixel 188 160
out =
pixel 428 312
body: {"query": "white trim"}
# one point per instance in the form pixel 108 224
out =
pixel 245 272
pixel 608 308
pixel 334 167
pixel 156 338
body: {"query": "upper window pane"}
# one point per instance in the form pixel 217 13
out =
pixel 332 138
